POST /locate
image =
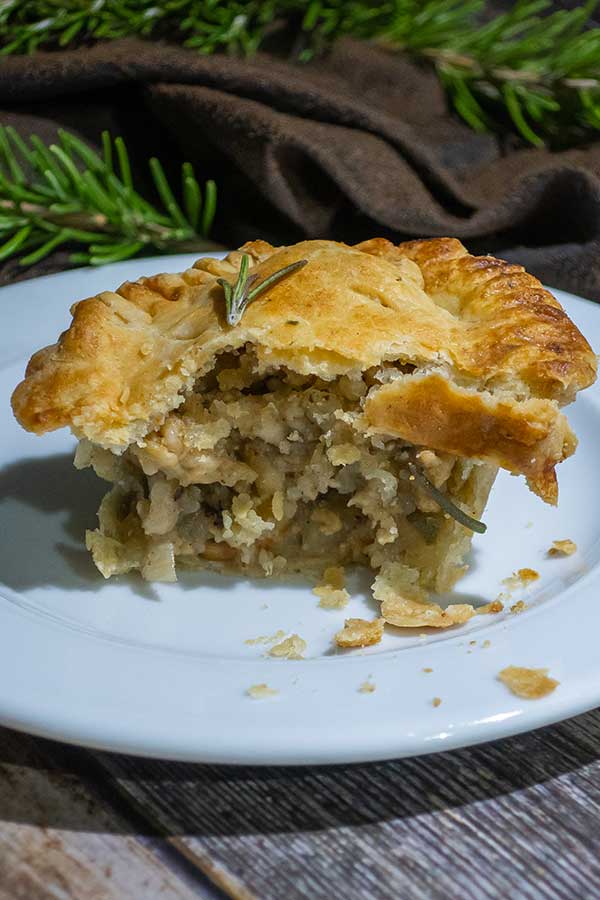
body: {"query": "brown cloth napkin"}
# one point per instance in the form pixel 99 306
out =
pixel 357 144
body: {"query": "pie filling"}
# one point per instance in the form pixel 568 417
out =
pixel 269 472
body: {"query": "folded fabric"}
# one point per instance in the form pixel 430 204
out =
pixel 356 143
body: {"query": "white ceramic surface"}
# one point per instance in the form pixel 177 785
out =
pixel 162 670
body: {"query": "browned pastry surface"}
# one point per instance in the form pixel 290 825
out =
pixel 489 353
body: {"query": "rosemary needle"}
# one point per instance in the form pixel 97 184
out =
pixel 239 295
pixel 445 503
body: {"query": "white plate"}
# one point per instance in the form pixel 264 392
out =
pixel 163 670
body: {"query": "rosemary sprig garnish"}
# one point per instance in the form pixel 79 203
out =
pixel 444 502
pixel 238 296
pixel 66 194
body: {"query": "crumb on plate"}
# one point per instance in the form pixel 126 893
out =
pixel 261 691
pixel 407 613
pixel 405 604
pixel 563 548
pixel 518 607
pixel 496 606
pixel 367 687
pixel 266 638
pixel 436 701
pixel 486 644
pixel 531 684
pixel 428 669
pixel 360 633
pixel 521 578
pixel 291 648
pixel 331 591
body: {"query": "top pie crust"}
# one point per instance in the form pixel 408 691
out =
pixel 492 354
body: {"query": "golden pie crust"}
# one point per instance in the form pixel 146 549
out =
pixel 490 354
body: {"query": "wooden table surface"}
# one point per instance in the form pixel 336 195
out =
pixel 518 818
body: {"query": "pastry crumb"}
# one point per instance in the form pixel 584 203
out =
pixel 496 606
pixel 367 687
pixel 472 643
pixel 518 607
pixel 261 691
pixel 531 684
pixel 486 644
pixel 266 638
pixel 521 578
pixel 291 648
pixel 331 591
pixel 528 575
pixel 563 548
pixel 405 604
pixel 428 669
pixel 360 633
pixel 436 701
pixel 407 613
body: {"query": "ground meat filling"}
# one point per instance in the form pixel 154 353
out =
pixel 272 472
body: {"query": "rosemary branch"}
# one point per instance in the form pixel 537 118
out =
pixel 239 295
pixel 67 194
pixel 529 69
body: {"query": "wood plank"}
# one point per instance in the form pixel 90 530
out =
pixel 59 840
pixel 517 818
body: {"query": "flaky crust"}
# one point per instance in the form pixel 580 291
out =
pixel 492 350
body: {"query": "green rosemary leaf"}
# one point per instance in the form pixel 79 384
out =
pixel 444 502
pixel 69 167
pixel 516 113
pixel 107 152
pixel 15 242
pixel 79 259
pixel 98 197
pixel 192 196
pixel 20 145
pixel 240 285
pixel 228 293
pixel 275 277
pixel 63 209
pixel 43 251
pixel 55 184
pixel 166 194
pixel 47 163
pixel 71 32
pixel 210 207
pixel 119 252
pixel 10 159
pixel 20 194
pixel 70 142
pixel 124 166
pixel 78 234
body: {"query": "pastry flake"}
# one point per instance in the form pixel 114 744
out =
pixel 564 547
pixel 291 648
pixel 261 691
pixel 531 684
pixel 360 633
